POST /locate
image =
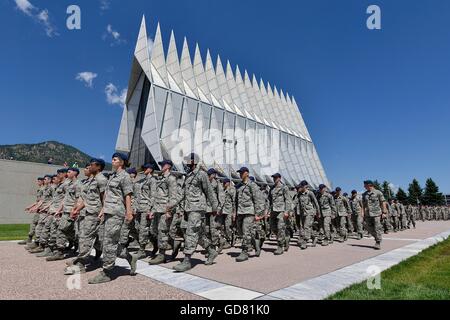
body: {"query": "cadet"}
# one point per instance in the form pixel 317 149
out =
pixel 42 209
pixel 30 209
pixel 116 209
pixel 374 206
pixel 392 207
pixel 87 211
pixel 66 228
pixel 166 193
pixel 402 215
pixel 129 232
pixel 217 221
pixel 261 222
pixel 52 221
pixel 178 225
pixel 249 207
pixel 411 213
pixel 145 200
pixel 358 214
pixel 327 207
pixel 343 211
pixel 197 190
pixel 83 191
pixel 307 208
pixel 229 212
pixel 280 211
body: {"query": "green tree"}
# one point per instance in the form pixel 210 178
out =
pixel 431 195
pixel 415 192
pixel 387 191
pixel 377 185
pixel 402 196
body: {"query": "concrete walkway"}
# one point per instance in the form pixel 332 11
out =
pixel 311 274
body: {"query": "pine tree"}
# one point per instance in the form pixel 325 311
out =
pixel 377 185
pixel 387 191
pixel 402 196
pixel 431 195
pixel 415 193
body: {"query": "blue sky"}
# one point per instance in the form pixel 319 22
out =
pixel 376 102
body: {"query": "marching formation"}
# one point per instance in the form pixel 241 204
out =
pixel 136 216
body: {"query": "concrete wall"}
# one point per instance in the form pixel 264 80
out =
pixel 18 188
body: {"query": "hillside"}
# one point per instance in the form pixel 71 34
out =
pixel 42 152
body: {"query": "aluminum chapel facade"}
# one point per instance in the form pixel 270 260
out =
pixel 175 106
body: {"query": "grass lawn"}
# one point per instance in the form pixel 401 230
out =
pixel 422 277
pixel 14 231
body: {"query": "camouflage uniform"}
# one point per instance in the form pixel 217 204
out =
pixel 228 210
pixel 35 221
pixel 306 209
pixel 372 205
pixel 248 204
pixel 280 203
pixel 48 237
pixel 402 216
pixel 217 222
pixel 66 229
pixel 343 211
pixel 411 214
pixel 118 187
pixel 89 222
pixel 166 192
pixel 145 203
pixel 130 229
pixel 47 196
pixel 196 191
pixel 393 213
pixel 327 208
pixel 356 206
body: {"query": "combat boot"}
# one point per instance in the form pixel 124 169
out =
pixel 77 268
pixel 226 246
pixel 377 246
pixel 325 243
pixel 158 259
pixel 176 249
pixel 288 242
pixel 141 253
pixel 102 277
pixel 46 253
pixel 360 236
pixel 24 242
pixel 185 265
pixel 211 257
pixel 279 251
pixel 303 246
pixel 38 249
pixel 56 257
pixel 31 246
pixel 257 247
pixel 314 243
pixel 242 257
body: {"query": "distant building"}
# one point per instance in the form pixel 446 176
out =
pixel 447 199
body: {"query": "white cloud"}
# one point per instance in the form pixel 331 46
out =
pixel 87 77
pixel 104 5
pixel 25 6
pixel 394 187
pixel 113 35
pixel 41 16
pixel 114 97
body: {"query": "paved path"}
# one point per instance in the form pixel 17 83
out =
pixel 311 274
